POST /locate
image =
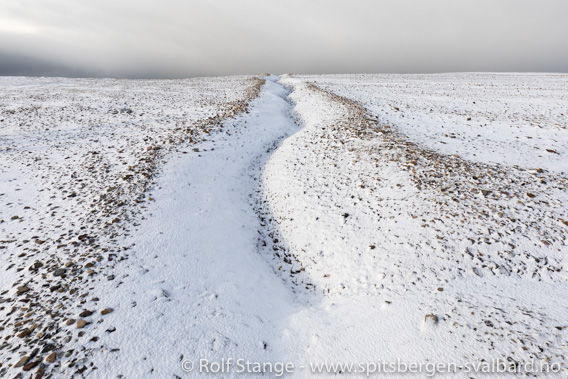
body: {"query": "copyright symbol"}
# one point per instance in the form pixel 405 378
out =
pixel 187 365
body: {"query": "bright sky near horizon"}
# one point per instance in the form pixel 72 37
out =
pixel 182 38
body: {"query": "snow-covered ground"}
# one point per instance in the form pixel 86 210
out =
pixel 514 119
pixel 333 219
pixel 77 158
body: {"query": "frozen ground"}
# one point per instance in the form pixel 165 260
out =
pixel 314 224
pixel 514 119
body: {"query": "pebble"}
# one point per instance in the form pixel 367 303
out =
pixel 22 361
pixel 432 318
pixel 31 365
pixel 51 357
pixel 106 311
pixel 59 271
pixel 81 324
pixel 22 289
pixel 24 333
pixel 85 313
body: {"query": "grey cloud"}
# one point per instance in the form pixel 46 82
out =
pixel 176 38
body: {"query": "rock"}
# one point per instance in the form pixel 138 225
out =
pixel 51 357
pixel 47 348
pixel 81 324
pixel 485 192
pixel 106 311
pixel 22 289
pixel 85 313
pixel 22 361
pixel 531 195
pixel 125 110
pixel 39 242
pixel 431 318
pixel 38 264
pixel 59 271
pixel 31 365
pixel 24 333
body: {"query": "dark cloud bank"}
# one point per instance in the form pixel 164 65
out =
pixel 175 38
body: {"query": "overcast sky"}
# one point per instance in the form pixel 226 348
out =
pixel 183 38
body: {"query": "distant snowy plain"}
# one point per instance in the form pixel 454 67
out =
pixel 357 219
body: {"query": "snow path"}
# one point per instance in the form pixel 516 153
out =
pixel 195 285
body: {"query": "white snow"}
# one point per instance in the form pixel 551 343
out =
pixel 496 118
pixel 312 229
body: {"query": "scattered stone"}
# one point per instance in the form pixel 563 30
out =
pixel 47 348
pixel 22 289
pixel 85 313
pixel 24 333
pixel 51 357
pixel 31 365
pixel 106 311
pixel 81 324
pixel 59 271
pixel 22 361
pixel 431 318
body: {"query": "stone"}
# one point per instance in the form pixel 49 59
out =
pixel 31 365
pixel 85 313
pixel 431 318
pixel 106 311
pixel 59 271
pixel 22 289
pixel 22 361
pixel 24 333
pixel 81 324
pixel 51 357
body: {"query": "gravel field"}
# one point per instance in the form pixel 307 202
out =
pixel 301 218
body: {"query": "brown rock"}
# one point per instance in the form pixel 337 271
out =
pixel 24 333
pixel 31 365
pixel 106 311
pixel 22 361
pixel 85 313
pixel 70 322
pixel 431 318
pixel 51 357
pixel 81 324
pixel 22 289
